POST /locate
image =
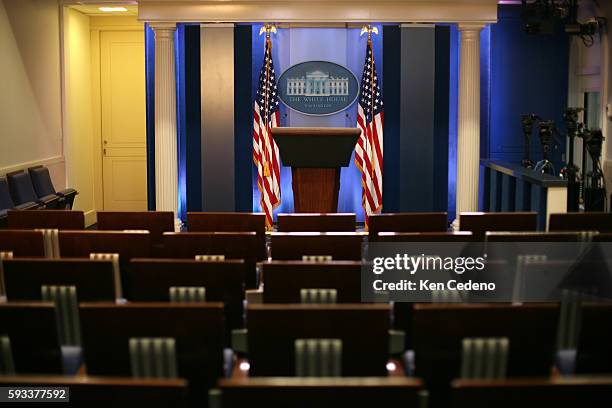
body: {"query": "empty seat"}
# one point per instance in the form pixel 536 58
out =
pixel 296 245
pixel 86 392
pixel 65 282
pixel 197 329
pixel 228 222
pixel 320 392
pixel 456 236
pixel 362 329
pixel 588 221
pixel 32 332
pixel 594 354
pixel 22 191
pixel 22 243
pixel 439 330
pixel 479 223
pixel 558 392
pixel 41 180
pixel 150 280
pixel 535 236
pixel 6 203
pixel 407 222
pixel 330 222
pixel 284 280
pixel 24 277
pixel 156 222
pixel 128 244
pixel 59 219
pixel 234 245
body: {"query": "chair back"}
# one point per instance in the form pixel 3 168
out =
pixel 294 245
pixel 329 222
pixel 362 328
pixel 6 201
pixel 32 330
pixel 156 222
pixel 587 221
pixel 46 219
pixel 407 222
pixel 284 280
pixel 20 185
pixel 23 243
pixel 41 181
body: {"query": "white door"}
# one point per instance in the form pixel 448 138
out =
pixel 123 109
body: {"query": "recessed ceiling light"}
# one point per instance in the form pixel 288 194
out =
pixel 112 9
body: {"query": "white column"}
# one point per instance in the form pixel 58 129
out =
pixel 468 124
pixel 166 153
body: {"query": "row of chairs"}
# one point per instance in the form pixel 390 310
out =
pixel 160 221
pixel 32 189
pixel 299 317
pixel 168 340
pixel 86 392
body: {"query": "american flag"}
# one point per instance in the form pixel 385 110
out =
pixel 265 152
pixel 369 148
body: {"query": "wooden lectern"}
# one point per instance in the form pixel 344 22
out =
pixel 315 156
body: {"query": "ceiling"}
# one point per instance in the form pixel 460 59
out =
pixel 93 9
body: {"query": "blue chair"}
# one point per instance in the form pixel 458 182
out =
pixel 22 191
pixel 6 203
pixel 41 180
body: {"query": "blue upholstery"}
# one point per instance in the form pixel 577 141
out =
pixel 43 186
pixel 6 203
pixel 409 363
pixel 228 362
pixel 23 192
pixel 72 357
pixel 566 361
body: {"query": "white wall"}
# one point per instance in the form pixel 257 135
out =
pixel 30 96
pixel 78 122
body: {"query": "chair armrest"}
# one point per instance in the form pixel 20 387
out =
pixel 48 200
pixel 67 192
pixel 27 206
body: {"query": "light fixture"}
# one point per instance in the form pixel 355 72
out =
pixel 244 366
pixel 112 9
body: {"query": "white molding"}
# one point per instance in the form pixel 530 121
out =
pixel 284 11
pixel 217 25
pixel 49 161
pixel 416 25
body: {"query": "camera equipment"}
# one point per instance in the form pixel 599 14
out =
pixel 594 192
pixel 527 122
pixel 543 16
pixel 547 130
pixel 571 171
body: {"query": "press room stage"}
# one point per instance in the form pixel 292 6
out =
pixel 419 72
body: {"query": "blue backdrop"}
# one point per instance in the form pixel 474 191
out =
pixel 520 74
pixel 343 46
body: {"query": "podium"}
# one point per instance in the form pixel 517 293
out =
pixel 315 156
